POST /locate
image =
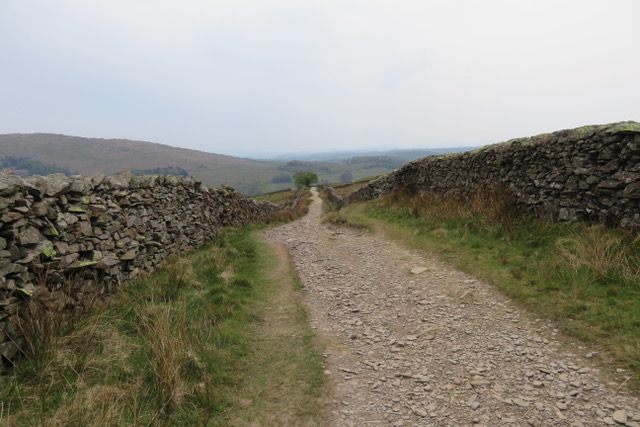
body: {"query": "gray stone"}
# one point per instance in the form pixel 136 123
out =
pixel 620 416
pixel 9 350
pixel 80 184
pixel 7 267
pixel 10 183
pixel 632 190
pixel 30 236
pixel 40 208
pixel 57 184
pixel 418 270
pixel 521 403
pixel 119 180
pixel 11 216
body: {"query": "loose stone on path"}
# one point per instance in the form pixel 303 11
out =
pixel 401 349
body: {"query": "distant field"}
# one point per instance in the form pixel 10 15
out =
pixel 88 156
pixel 259 179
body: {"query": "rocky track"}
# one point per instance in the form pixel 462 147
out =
pixel 409 341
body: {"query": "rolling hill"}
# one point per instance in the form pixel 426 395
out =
pixel 33 153
pixel 87 156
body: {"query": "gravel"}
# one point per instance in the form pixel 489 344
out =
pixel 410 341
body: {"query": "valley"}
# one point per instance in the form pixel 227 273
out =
pixel 86 156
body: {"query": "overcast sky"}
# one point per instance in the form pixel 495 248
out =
pixel 241 76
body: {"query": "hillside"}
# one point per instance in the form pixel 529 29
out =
pixel 94 155
pixel 34 153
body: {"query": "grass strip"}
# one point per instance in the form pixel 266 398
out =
pixel 200 342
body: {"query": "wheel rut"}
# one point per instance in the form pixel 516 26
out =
pixel 410 341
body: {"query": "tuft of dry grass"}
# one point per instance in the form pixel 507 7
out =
pixel 47 316
pixel 172 280
pixel 166 352
pixel 338 218
pixel 99 405
pixel 493 204
pixel 39 328
pixel 599 251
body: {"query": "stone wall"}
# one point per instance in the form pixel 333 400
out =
pixel 590 173
pixel 334 199
pixel 62 238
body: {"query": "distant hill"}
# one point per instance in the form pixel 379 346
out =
pixel 92 155
pixel 87 156
pixel 405 155
pixel 42 153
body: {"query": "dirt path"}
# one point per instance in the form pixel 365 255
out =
pixel 433 346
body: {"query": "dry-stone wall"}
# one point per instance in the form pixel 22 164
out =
pixel 64 238
pixel 334 198
pixel 590 173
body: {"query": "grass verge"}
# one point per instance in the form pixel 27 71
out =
pixel 585 278
pixel 216 337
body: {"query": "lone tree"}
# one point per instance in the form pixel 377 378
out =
pixel 304 179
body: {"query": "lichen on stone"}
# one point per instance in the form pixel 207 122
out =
pixel 77 209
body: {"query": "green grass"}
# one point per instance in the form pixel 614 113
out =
pixel 195 344
pixel 585 278
pixel 258 179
